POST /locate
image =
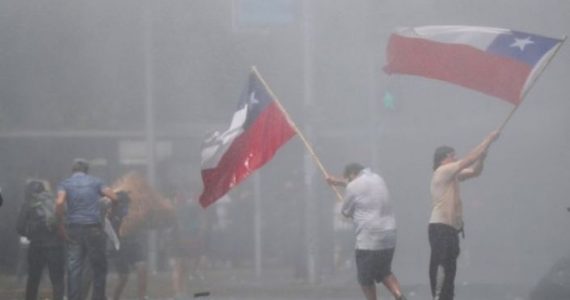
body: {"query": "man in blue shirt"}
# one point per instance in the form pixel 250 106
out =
pixel 78 199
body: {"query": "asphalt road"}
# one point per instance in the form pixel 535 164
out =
pixel 232 285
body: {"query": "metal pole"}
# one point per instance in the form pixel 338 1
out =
pixel 311 236
pixel 257 223
pixel 373 114
pixel 308 71
pixel 149 120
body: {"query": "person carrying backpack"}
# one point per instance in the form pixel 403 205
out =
pixel 37 222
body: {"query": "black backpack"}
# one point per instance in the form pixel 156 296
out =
pixel 37 216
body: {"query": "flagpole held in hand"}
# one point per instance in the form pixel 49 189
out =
pixel 298 131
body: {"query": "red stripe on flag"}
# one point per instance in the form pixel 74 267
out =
pixel 248 152
pixel 460 64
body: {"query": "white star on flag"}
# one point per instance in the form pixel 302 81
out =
pixel 521 43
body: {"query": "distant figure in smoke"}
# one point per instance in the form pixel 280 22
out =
pixel 37 222
pixel 78 197
pixel 446 220
pixel 132 256
pixel 132 253
pixel 367 203
pixel 188 243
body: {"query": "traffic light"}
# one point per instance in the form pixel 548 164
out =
pixel 389 101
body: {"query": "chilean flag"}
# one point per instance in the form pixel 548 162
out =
pixel 257 130
pixel 499 62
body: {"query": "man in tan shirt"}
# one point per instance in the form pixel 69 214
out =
pixel 446 220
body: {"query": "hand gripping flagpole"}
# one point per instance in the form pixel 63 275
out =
pixel 297 130
pixel 531 84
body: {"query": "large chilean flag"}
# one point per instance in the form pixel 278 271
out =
pixel 498 62
pixel 257 130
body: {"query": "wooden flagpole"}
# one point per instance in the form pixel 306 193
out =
pixel 532 84
pixel 297 130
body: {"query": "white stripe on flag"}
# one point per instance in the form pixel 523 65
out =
pixel 477 37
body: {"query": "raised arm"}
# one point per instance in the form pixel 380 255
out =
pixel 475 155
pixel 474 170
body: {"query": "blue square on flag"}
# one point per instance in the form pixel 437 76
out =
pixel 525 47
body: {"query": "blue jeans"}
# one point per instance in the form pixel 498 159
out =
pixel 87 242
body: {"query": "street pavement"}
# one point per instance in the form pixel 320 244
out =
pixel 243 284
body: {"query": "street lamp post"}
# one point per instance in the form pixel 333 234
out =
pixel 150 134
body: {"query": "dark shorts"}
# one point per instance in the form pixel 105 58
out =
pixel 373 265
pixel 131 252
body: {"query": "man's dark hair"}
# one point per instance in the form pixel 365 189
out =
pixel 80 165
pixel 352 168
pixel 440 154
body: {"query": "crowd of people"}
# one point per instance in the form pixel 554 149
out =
pixel 74 230
pixel 78 230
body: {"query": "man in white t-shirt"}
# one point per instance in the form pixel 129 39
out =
pixel 446 220
pixel 367 203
